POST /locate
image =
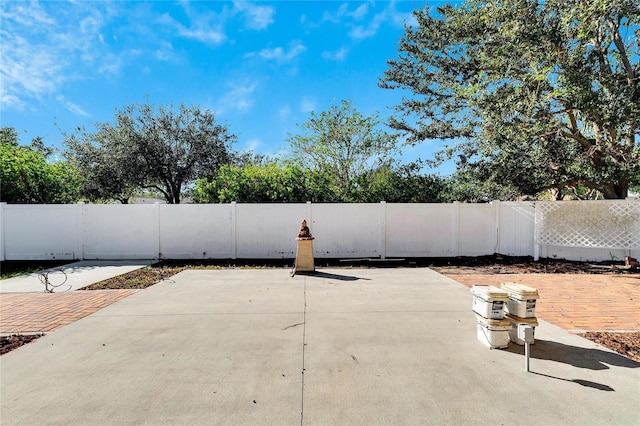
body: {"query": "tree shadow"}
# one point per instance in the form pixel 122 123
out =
pixel 329 276
pixel 592 359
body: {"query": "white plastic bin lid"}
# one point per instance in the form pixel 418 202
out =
pixel 520 291
pixel 499 323
pixel 489 292
pixel 533 322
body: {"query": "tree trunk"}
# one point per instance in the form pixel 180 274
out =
pixel 615 191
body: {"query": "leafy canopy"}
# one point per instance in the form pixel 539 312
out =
pixel 343 144
pixel 263 183
pixel 164 149
pixel 539 95
pixel 27 177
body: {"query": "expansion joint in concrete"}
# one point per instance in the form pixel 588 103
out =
pixel 304 344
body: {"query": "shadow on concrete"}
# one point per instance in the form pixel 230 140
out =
pixel 592 359
pixel 328 276
pixel 585 383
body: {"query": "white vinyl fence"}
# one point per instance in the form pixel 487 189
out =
pixel 268 231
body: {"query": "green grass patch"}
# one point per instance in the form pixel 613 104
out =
pixel 15 268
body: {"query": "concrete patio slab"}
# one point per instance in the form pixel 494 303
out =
pixel 78 275
pixel 360 346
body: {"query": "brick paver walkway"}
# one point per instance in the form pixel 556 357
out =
pixel 44 312
pixel 578 301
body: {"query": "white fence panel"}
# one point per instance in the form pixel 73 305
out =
pixel 346 230
pixel 613 224
pixel 37 232
pixel 268 231
pixel 113 231
pixel 196 231
pixel 588 230
pixel 477 229
pixel 216 231
pixel 516 228
pixel 420 230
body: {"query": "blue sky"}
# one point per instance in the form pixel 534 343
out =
pixel 262 66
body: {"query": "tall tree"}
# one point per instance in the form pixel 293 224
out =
pixel 27 177
pixel 542 95
pixel 343 144
pixel 110 163
pixel 162 149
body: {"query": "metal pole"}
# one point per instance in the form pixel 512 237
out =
pixel 526 356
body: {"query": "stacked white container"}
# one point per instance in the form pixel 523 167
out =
pixel 492 328
pixel 521 308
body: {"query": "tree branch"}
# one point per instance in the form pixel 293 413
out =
pixel 617 40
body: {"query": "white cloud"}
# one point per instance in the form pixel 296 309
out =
pixel 165 51
pixel 308 105
pixel 72 107
pixel 336 16
pixel 359 21
pixel 361 11
pixel 257 17
pixel 338 55
pixel 238 97
pixel 11 101
pixel 40 53
pixel 27 70
pixel 369 30
pixel 343 12
pixel 400 19
pixel 252 144
pixel 112 65
pixel 280 55
pixel 274 53
pixel 91 24
pixel 206 28
pixel 204 35
pixel 284 113
pixel 27 14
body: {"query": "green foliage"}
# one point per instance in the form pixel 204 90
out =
pixel 26 177
pixel 8 136
pixel 110 167
pixel 539 95
pixel 276 183
pixel 162 149
pixel 343 145
pixel 404 184
pixel 467 185
pixel 267 183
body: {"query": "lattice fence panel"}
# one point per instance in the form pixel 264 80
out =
pixel 598 224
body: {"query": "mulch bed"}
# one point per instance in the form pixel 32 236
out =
pixel 138 279
pixel 627 344
pixel 9 343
